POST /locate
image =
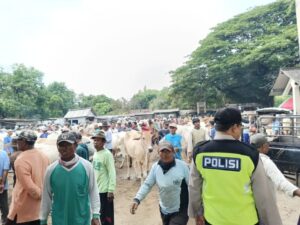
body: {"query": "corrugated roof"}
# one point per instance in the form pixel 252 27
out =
pixel 166 111
pixel 143 113
pixel 78 113
pixel 284 76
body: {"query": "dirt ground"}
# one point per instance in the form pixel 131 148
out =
pixel 148 211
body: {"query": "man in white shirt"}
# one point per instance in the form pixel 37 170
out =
pixel 260 142
pixel 108 135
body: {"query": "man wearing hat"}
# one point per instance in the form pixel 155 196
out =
pixel 45 132
pixel 164 131
pixel 70 188
pixel 105 173
pixel 30 167
pixel 175 140
pixel 276 178
pixel 228 184
pixel 171 176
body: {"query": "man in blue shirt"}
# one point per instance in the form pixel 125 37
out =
pixel 171 177
pixel 175 140
pixel 212 131
pixel 7 142
pixel 4 167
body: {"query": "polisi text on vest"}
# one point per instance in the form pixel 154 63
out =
pixel 222 163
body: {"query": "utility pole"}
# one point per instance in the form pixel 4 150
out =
pixel 295 86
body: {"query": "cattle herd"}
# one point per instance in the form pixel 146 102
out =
pixel 132 142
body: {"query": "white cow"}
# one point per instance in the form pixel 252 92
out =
pixel 186 142
pixel 90 144
pixel 48 147
pixel 138 146
pixel 187 145
pixel 118 145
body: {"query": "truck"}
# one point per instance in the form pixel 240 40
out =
pixel 282 129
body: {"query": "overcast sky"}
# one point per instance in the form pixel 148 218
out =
pixel 111 47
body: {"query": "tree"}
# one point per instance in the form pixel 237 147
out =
pixel 101 104
pixel 162 100
pixel 142 99
pixel 60 99
pixel 22 93
pixel 239 60
pixel 56 104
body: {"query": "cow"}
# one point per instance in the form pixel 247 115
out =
pixel 186 142
pixel 118 146
pixel 48 147
pixel 138 147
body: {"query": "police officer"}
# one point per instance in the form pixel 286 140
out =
pixel 228 184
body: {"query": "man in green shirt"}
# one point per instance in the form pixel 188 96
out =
pixel 70 191
pixel 104 167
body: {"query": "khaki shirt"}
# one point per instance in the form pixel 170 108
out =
pixel 198 135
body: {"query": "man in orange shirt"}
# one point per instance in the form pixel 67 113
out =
pixel 30 168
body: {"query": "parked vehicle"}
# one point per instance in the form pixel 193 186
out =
pixel 283 131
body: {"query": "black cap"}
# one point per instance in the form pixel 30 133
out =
pixel 228 116
pixel 105 124
pixel 196 120
pixel 67 137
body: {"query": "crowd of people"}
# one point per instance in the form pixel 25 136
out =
pixel 227 178
pixel 74 190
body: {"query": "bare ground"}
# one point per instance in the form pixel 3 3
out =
pixel 148 211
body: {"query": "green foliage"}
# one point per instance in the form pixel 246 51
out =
pixel 101 104
pixel 162 100
pixel 119 106
pixel 61 98
pixel 56 104
pixel 239 60
pixel 142 99
pixel 280 99
pixel 21 91
pixel 24 95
